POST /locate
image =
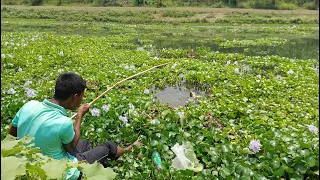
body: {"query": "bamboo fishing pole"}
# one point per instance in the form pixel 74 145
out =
pixel 116 84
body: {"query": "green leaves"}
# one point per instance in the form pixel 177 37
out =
pixel 55 169
pixel 29 163
pixel 267 98
pixel 35 169
pixel 311 161
pixel 12 166
pixel 97 171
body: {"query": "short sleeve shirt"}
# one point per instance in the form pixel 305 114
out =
pixel 48 124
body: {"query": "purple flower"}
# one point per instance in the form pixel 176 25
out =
pixel 26 84
pixel 106 107
pixel 290 72
pixel 11 91
pixel 20 69
pixel 132 67
pixel 61 53
pixel 40 58
pixel 236 70
pixel 95 112
pixel 313 128
pixel 255 145
pixel 131 106
pixel 123 119
pixel 30 93
pixel 181 114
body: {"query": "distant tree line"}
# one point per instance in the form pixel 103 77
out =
pixel 259 4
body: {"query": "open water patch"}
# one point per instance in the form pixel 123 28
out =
pixel 301 47
pixel 175 96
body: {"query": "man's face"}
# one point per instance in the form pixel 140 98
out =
pixel 77 99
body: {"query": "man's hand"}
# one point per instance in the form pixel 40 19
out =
pixel 83 109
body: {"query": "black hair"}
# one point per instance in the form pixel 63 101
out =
pixel 68 84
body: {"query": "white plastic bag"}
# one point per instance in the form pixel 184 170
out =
pixel 186 158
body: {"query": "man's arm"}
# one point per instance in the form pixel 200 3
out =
pixel 13 131
pixel 70 147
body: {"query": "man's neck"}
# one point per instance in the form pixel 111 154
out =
pixel 60 103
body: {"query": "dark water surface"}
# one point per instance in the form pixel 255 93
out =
pixel 300 47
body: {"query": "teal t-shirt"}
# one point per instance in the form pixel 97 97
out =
pixel 49 125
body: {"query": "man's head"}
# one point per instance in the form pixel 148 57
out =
pixel 70 89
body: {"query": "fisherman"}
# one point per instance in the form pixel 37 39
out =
pixel 54 133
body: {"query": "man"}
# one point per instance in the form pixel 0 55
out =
pixel 53 131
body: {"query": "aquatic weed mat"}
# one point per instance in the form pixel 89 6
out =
pixel 267 99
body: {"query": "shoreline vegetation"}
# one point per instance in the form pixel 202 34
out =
pixel 261 4
pixel 151 15
pixel 251 79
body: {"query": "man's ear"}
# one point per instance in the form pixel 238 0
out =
pixel 75 97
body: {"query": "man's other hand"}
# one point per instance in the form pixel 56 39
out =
pixel 83 109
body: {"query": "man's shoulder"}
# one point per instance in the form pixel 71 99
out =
pixel 63 119
pixel 31 104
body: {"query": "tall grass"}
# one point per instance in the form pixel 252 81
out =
pixel 257 4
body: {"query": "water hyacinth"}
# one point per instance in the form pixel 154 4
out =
pixel 174 66
pixel 126 67
pixel 95 112
pixel 312 128
pixel 139 48
pixel 123 119
pixel 236 70
pixel 26 84
pixel 31 93
pixel 131 106
pixel 155 122
pixel 105 107
pixel 255 145
pixel 279 77
pixel 290 72
pixel 181 114
pixel 146 91
pixel 132 67
pixel 11 91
